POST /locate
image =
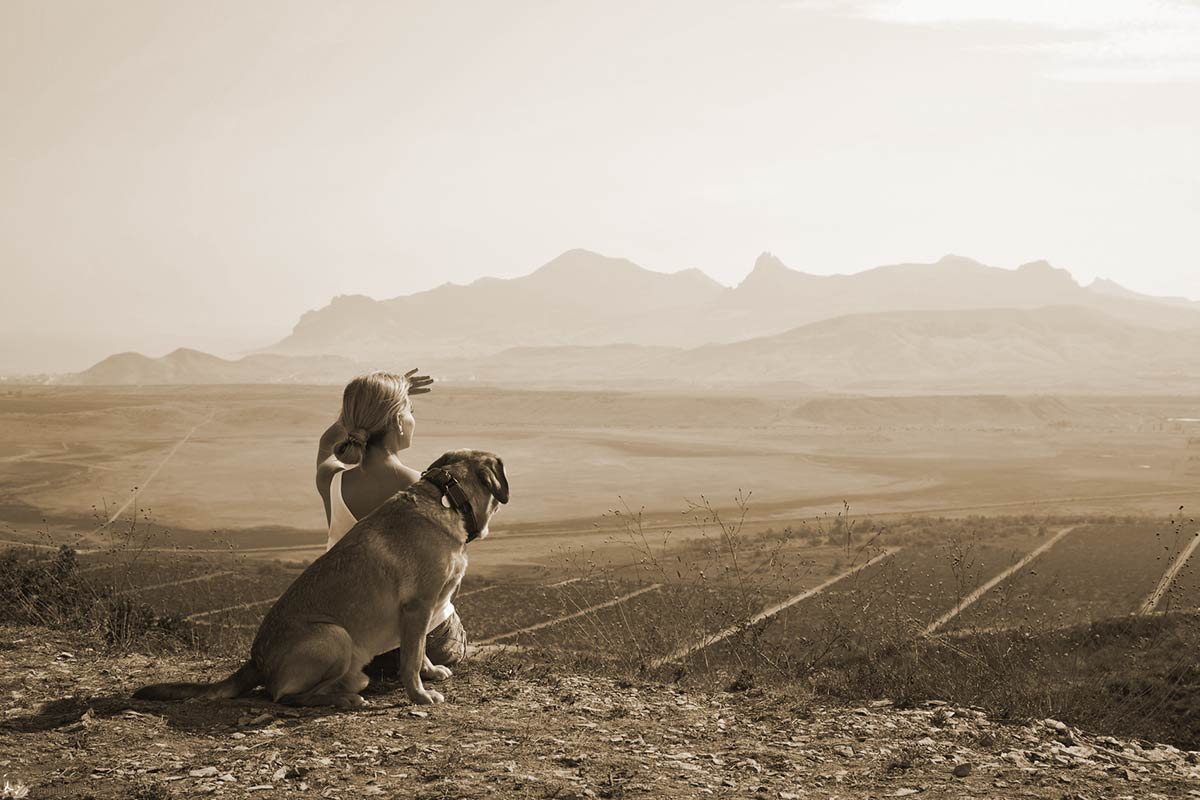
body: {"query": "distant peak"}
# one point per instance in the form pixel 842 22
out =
pixel 695 274
pixel 954 260
pixel 574 259
pixel 769 262
pixel 768 273
pixel 1044 268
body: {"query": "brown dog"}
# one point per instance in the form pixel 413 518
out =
pixel 375 590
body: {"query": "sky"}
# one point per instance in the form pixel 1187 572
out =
pixel 200 174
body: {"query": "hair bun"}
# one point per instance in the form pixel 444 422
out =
pixel 359 436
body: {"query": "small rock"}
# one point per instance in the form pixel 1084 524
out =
pixel 1055 725
pixel 85 721
pixel 964 769
pixel 1080 751
pixel 419 714
pixel 905 792
pixel 844 750
pixel 204 772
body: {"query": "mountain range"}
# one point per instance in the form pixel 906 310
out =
pixel 583 298
pixel 184 366
pixel 583 318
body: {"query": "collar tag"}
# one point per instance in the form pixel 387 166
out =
pixel 453 496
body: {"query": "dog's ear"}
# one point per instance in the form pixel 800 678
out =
pixel 495 479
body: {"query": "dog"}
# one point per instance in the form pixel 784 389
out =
pixel 375 590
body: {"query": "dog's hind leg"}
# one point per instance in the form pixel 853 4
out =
pixel 319 669
pixel 344 693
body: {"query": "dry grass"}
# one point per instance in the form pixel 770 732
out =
pixel 861 638
pixel 864 637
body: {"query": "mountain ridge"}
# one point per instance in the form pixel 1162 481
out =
pixel 585 298
pixel 1053 348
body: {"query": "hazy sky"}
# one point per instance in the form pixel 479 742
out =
pixel 200 173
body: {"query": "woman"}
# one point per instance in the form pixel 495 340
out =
pixel 359 467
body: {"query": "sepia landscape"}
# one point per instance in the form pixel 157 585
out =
pixel 775 533
pixel 904 505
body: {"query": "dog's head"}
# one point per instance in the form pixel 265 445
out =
pixel 482 475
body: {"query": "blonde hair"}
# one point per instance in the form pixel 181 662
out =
pixel 370 404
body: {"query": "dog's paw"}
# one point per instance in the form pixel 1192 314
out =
pixel 438 673
pixel 428 697
pixel 349 701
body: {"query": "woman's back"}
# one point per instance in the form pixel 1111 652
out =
pixel 353 493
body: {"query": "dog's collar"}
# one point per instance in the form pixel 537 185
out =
pixel 453 491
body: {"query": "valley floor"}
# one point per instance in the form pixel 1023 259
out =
pixel 67 729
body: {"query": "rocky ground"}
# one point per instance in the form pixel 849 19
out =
pixel 68 729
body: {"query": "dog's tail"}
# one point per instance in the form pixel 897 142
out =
pixel 236 685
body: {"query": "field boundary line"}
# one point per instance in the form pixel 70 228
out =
pixel 599 606
pixel 1168 578
pixel 480 590
pixel 137 490
pixel 567 582
pixel 246 626
pixel 180 582
pixel 239 607
pixel 32 545
pixel 768 612
pixel 966 633
pixel 1004 575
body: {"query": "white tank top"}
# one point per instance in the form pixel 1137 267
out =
pixel 341 520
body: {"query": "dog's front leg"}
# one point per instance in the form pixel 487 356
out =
pixel 432 672
pixel 412 656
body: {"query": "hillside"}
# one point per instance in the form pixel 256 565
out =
pixel 513 729
pixel 586 319
pixel 1066 348
pixel 583 298
pixel 578 298
pixel 185 366
pixel 1052 349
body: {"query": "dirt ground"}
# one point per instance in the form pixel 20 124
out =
pixel 68 729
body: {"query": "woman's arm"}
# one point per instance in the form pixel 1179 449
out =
pixel 327 462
